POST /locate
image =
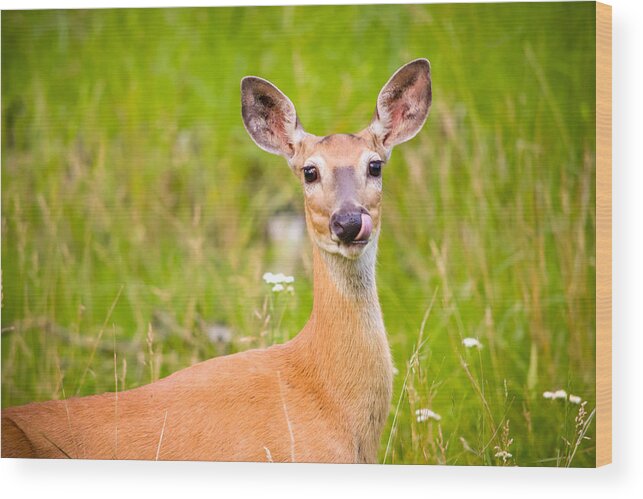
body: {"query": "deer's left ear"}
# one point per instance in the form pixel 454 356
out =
pixel 403 104
pixel 270 117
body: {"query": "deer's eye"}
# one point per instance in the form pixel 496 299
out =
pixel 310 174
pixel 375 168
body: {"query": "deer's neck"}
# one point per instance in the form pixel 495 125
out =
pixel 346 316
pixel 345 342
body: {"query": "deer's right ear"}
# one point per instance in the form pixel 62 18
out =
pixel 270 117
pixel 403 104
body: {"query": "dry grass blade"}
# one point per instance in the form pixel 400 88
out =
pixel 158 448
pixel 418 347
pixel 290 432
pixel 98 339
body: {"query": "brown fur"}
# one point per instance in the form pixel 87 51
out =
pixel 322 397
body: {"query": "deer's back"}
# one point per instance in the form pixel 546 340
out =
pixel 253 406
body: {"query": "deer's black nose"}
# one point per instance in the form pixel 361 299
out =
pixel 346 225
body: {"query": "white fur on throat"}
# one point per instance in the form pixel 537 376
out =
pixel 354 278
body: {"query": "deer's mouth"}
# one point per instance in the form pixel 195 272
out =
pixel 355 248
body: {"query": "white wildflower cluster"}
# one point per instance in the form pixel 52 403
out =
pixel 558 394
pixel 471 343
pixel 280 282
pixel 504 455
pixel 562 394
pixel 425 414
pixel 575 399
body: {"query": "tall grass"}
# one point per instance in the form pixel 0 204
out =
pixel 135 208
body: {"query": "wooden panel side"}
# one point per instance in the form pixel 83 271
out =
pixel 603 234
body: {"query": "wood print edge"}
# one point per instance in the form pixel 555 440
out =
pixel 603 234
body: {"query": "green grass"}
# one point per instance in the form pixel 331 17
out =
pixel 134 206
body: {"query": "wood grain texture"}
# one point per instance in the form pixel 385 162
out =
pixel 603 234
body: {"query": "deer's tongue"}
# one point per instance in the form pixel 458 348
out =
pixel 366 229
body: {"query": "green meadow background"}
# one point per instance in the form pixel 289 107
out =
pixel 138 217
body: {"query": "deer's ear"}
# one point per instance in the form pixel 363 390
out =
pixel 270 117
pixel 403 104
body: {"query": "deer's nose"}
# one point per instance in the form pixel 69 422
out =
pixel 346 225
pixel 351 226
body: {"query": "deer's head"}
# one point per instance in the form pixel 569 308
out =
pixel 341 174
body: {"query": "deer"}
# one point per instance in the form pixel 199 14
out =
pixel 324 396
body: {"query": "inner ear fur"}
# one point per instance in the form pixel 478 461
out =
pixel 403 104
pixel 269 116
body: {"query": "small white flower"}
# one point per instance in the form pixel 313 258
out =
pixel 277 288
pixel 290 289
pixel 504 455
pixel 471 342
pixel 425 414
pixel 279 278
pixel 218 333
pixel 558 394
pixel 396 371
pixel 575 399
